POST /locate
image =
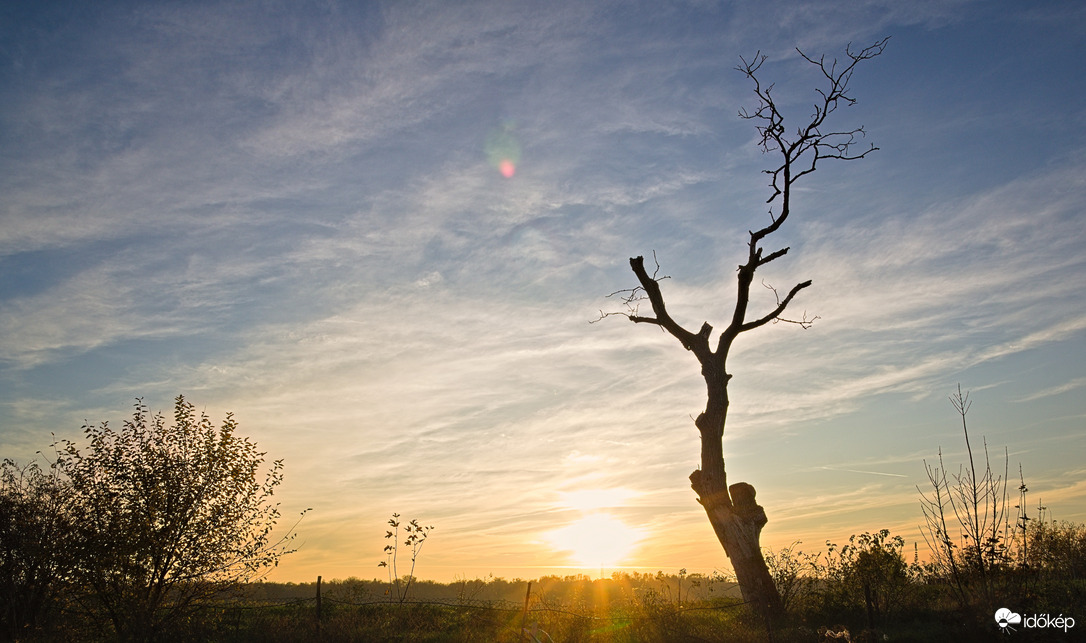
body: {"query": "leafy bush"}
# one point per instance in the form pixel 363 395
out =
pixel 868 573
pixel 36 539
pixel 793 572
pixel 166 518
pixel 1057 550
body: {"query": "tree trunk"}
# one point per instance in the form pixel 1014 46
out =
pixel 736 518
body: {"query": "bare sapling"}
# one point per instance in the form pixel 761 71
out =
pixel 975 547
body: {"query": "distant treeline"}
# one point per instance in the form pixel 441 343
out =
pixel 566 590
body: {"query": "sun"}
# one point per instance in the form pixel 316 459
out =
pixel 596 540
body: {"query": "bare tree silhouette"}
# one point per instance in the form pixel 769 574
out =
pixel 736 517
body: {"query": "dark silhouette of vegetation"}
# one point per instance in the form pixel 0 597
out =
pixel 835 587
pixel 140 528
pixel 414 537
pixel 860 591
pixel 968 525
pixel 736 517
pixel 866 581
pixel 36 546
pixel 1056 550
pixel 869 573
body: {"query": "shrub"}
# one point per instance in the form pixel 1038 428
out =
pixel 868 573
pixel 167 517
pixel 36 538
pixel 1057 551
pixel 792 573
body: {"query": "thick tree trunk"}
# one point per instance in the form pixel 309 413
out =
pixel 738 523
pixel 736 518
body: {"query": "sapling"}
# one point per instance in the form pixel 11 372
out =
pixel 415 537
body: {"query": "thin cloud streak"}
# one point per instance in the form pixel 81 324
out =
pixel 872 473
pixel 1077 383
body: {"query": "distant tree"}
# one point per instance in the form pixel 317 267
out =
pixel 735 516
pixel 36 539
pixel 167 516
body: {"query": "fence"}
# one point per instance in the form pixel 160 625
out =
pixel 529 612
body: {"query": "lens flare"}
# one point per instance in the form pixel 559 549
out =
pixel 503 150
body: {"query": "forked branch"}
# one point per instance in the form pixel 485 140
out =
pixel 698 343
pixel 799 155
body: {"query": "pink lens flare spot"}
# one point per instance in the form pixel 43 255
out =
pixel 507 168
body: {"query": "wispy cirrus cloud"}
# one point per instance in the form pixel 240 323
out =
pixel 1074 384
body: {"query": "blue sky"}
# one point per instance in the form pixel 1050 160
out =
pixel 287 210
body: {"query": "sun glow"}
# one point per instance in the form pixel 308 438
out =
pixel 596 540
pixel 589 500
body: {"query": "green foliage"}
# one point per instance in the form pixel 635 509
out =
pixel 167 517
pixel 879 569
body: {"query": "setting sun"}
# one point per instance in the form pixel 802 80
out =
pixel 596 540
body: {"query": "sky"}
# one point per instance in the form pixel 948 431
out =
pixel 377 232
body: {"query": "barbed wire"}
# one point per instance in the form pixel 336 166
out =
pixel 504 606
pixel 266 604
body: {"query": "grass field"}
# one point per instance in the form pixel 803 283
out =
pixel 620 609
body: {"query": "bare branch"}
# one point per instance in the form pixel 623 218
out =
pixel 698 343
pixel 632 297
pixel 780 253
pixel 761 321
pixel 604 315
pixel 810 142
pixel 803 322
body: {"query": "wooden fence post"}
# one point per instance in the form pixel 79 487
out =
pixel 318 605
pixel 524 616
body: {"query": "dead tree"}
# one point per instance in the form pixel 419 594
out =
pixel 733 512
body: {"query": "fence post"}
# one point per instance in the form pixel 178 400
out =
pixel 318 605
pixel 524 615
